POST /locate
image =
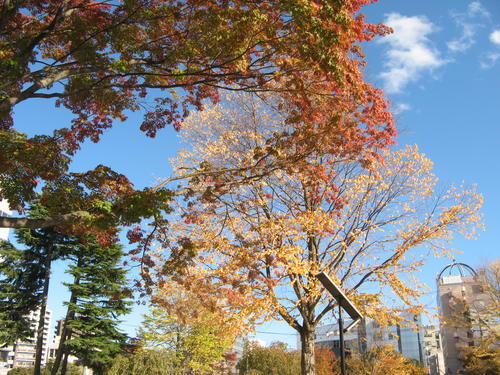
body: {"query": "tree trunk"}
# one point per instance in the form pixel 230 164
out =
pixel 70 314
pixel 64 337
pixel 64 367
pixel 43 309
pixel 307 361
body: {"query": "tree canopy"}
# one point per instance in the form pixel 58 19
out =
pixel 20 285
pixel 101 60
pixel 383 360
pixel 25 277
pixel 276 359
pixel 197 347
pixel 143 362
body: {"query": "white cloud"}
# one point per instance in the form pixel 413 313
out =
pixel 476 9
pixel 465 41
pixel 468 22
pixel 490 60
pixel 410 52
pixel 495 37
pixel 399 108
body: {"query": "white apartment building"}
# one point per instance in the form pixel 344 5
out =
pixel 22 353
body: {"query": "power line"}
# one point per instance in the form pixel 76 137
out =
pixel 276 333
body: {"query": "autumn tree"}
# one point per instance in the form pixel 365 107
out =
pixel 102 60
pixel 166 344
pixel 72 370
pixel 143 362
pixel 256 247
pixel 197 348
pixel 381 361
pixel 326 362
pixel 486 313
pixel 277 359
pixel 482 360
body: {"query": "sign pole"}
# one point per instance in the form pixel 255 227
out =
pixel 344 303
pixel 341 341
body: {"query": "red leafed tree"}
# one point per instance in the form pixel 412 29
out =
pixel 101 59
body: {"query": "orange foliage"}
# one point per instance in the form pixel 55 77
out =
pixel 255 244
pixel 326 362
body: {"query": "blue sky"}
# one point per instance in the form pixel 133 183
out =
pixel 440 69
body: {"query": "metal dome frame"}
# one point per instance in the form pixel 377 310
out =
pixel 460 266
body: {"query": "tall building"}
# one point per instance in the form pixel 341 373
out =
pixel 459 288
pixel 410 337
pixel 22 353
pixel 4 211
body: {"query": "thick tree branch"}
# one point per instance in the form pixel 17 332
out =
pixel 289 319
pixel 37 85
pixel 51 221
pixel 323 312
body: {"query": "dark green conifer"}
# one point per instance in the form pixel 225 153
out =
pixel 99 295
pixel 25 277
pixel 20 290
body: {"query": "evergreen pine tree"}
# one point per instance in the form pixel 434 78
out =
pixel 43 246
pixel 98 297
pixel 24 280
pixel 98 294
pixel 20 290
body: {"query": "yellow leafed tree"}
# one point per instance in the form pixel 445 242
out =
pixel 252 247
